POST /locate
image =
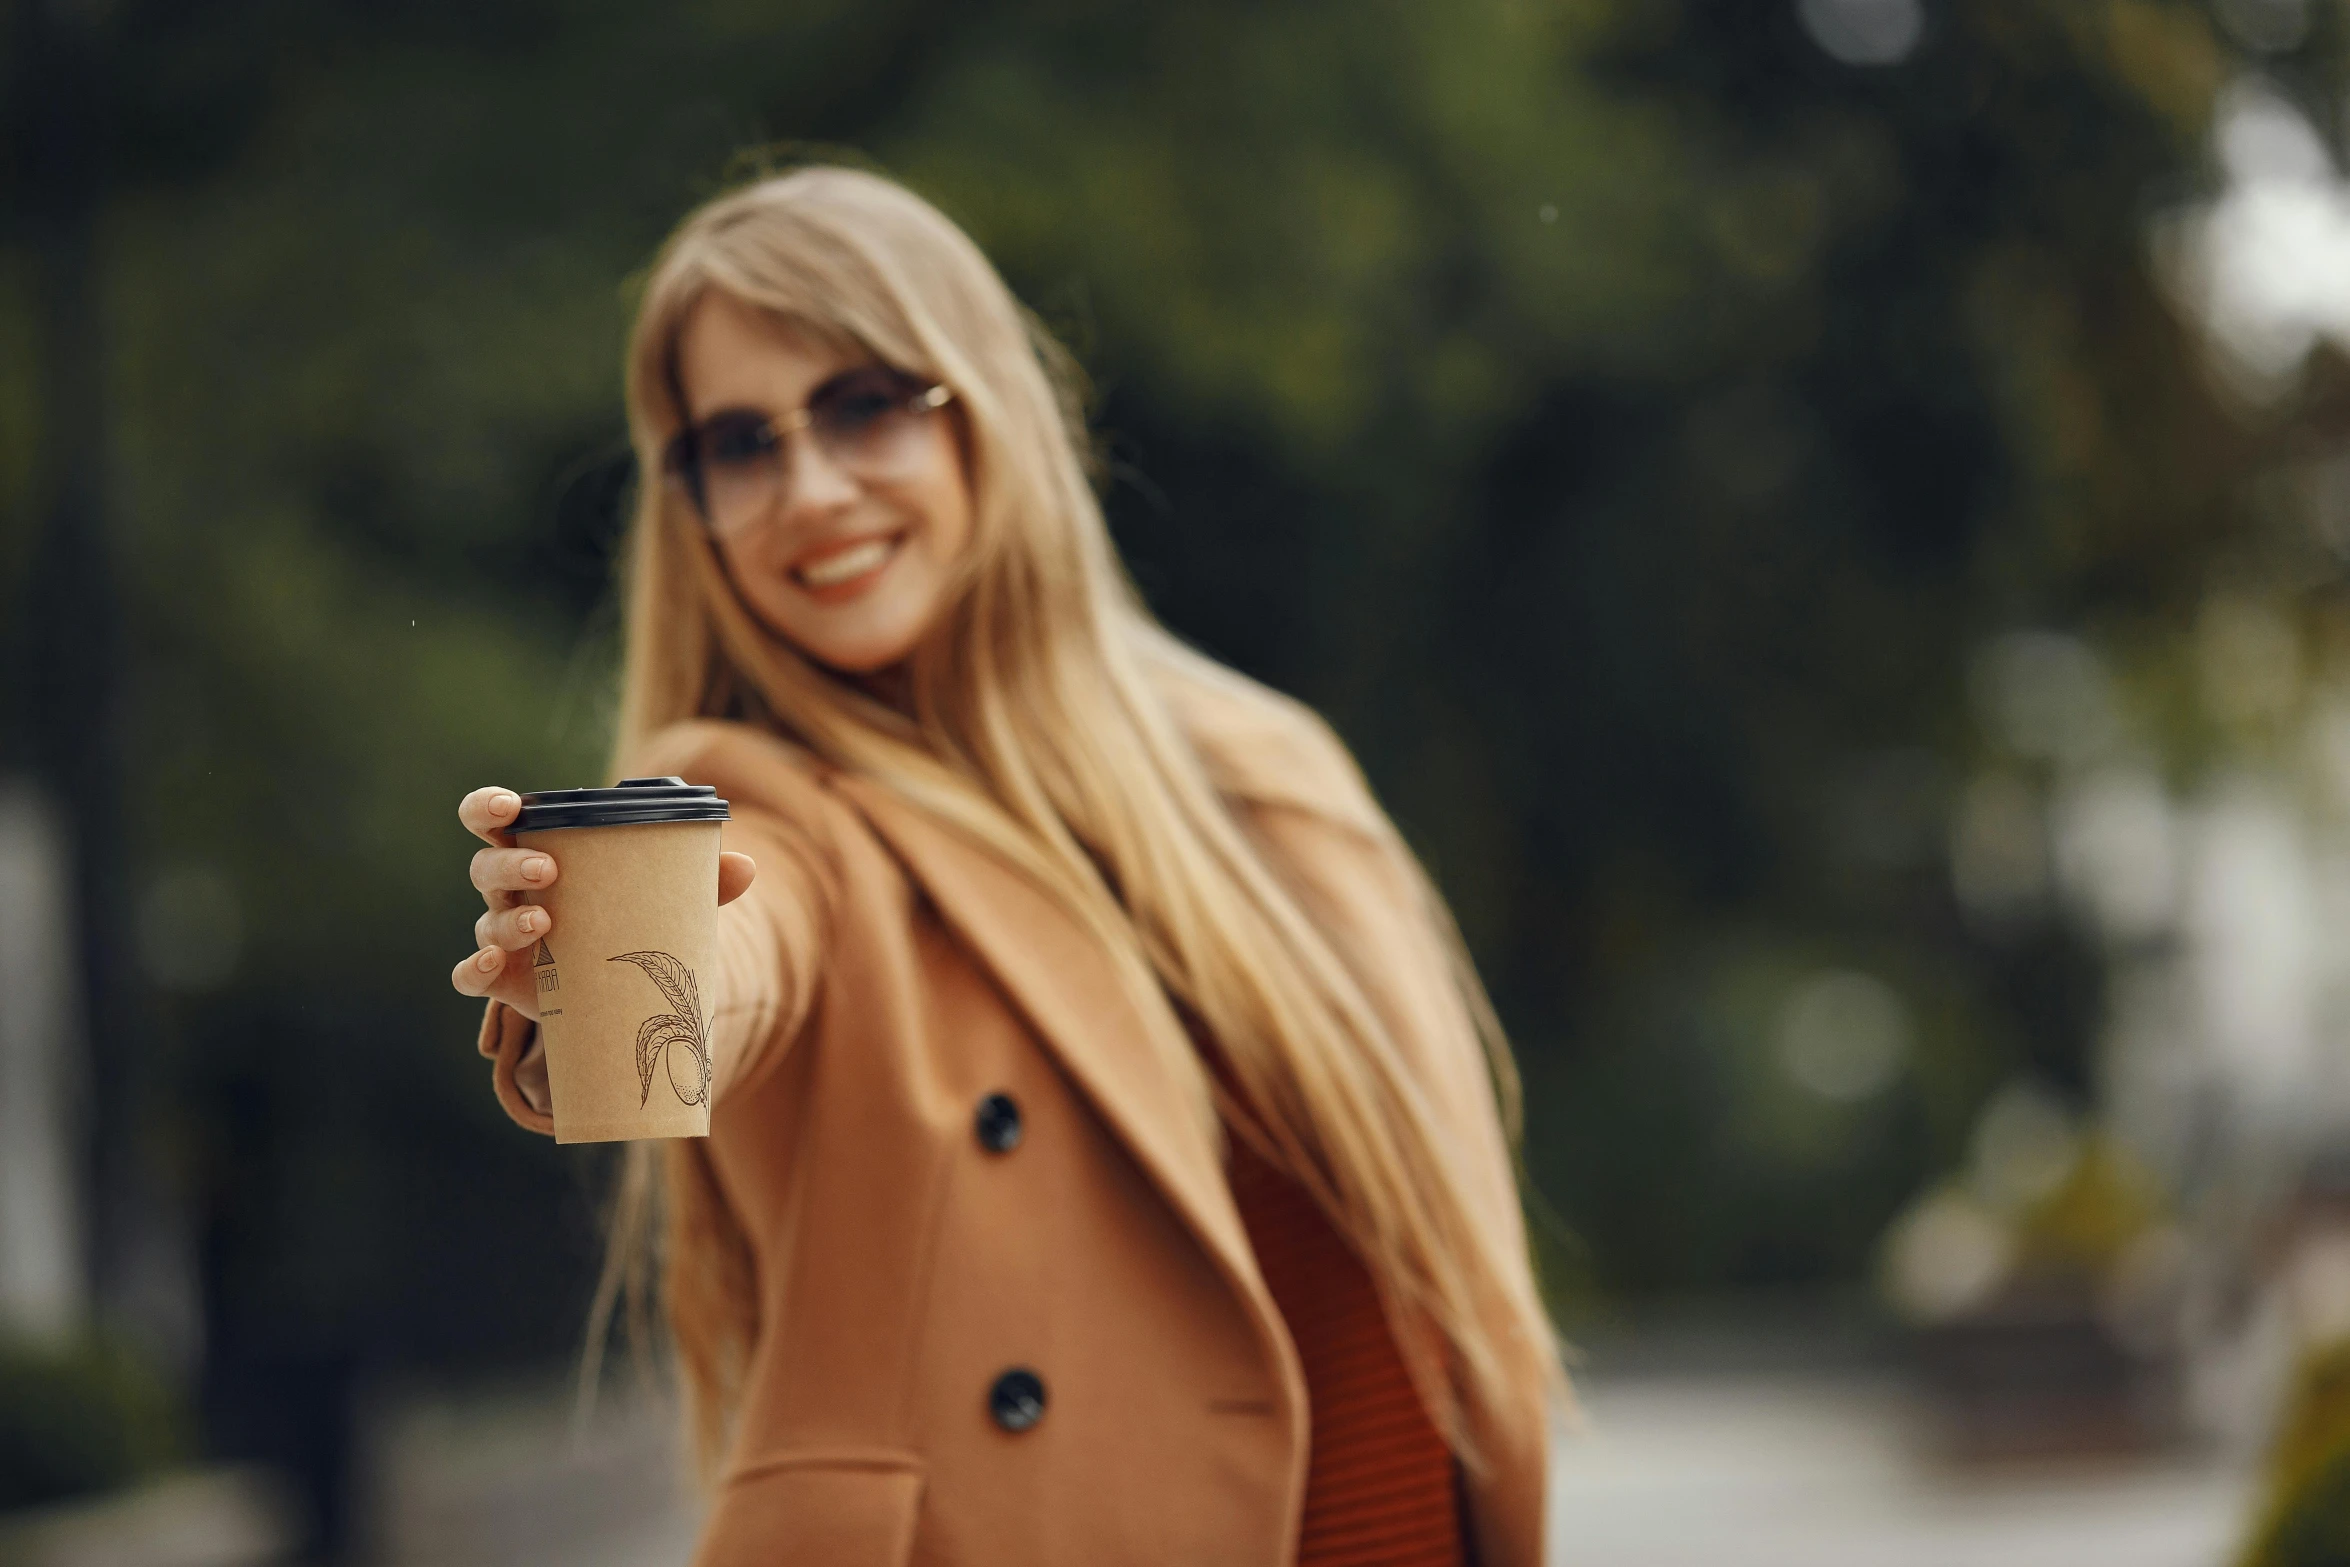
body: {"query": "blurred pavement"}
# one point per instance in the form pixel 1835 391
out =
pixel 1830 1471
pixel 1675 1469
pixel 504 1482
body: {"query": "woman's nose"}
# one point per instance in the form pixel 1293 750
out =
pixel 812 479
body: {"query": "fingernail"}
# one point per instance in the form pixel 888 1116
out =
pixel 486 959
pixel 505 801
pixel 535 868
pixel 531 920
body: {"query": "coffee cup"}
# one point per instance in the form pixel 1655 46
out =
pixel 622 977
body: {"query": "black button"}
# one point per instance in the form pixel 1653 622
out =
pixel 998 1123
pixel 1017 1399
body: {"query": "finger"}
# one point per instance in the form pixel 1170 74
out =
pixel 489 813
pixel 477 975
pixel 510 982
pixel 512 870
pixel 736 872
pixel 512 928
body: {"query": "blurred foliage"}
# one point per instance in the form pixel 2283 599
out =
pixel 2085 1227
pixel 1623 418
pixel 2307 1520
pixel 80 1418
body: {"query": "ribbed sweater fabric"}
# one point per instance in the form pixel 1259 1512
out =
pixel 1381 1487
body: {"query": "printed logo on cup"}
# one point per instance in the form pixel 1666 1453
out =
pixel 672 1033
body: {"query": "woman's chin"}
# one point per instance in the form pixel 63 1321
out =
pixel 863 665
pixel 859 651
pixel 862 637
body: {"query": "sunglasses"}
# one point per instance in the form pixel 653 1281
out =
pixel 731 465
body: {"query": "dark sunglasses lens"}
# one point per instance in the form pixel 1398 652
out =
pixel 731 469
pixel 734 440
pixel 851 411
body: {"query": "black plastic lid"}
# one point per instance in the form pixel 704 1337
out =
pixel 636 802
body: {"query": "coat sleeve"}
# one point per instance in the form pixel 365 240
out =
pixel 1296 790
pixel 1374 906
pixel 768 966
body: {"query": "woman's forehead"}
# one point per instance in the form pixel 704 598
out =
pixel 734 354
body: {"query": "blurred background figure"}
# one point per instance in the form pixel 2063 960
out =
pixel 1826 521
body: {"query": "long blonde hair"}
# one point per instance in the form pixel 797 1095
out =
pixel 1039 725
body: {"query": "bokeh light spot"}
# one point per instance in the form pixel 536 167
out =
pixel 1843 1035
pixel 1864 32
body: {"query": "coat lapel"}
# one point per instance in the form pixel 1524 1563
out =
pixel 1059 977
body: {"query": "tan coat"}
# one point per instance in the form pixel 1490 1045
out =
pixel 880 980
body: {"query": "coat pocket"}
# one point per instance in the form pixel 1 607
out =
pixel 839 1507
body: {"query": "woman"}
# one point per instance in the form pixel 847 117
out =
pixel 1109 1159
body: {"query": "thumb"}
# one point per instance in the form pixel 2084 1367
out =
pixel 736 872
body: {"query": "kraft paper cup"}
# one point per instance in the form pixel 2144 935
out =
pixel 622 978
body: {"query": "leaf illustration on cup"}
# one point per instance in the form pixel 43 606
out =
pixel 672 1032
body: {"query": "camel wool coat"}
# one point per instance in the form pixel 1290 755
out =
pixel 1007 1311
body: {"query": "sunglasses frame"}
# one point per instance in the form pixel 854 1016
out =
pixel 681 462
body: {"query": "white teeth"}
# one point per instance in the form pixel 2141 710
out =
pixel 848 563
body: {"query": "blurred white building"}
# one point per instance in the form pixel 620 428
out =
pixel 41 1265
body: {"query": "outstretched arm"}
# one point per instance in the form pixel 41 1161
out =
pixel 774 900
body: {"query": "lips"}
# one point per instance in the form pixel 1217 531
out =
pixel 840 569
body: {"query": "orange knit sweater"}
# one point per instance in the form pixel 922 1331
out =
pixel 1381 1489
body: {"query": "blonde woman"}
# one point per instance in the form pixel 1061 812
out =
pixel 1110 1156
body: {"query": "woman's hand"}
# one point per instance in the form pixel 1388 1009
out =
pixel 502 873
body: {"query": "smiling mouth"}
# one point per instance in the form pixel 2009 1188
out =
pixel 847 565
